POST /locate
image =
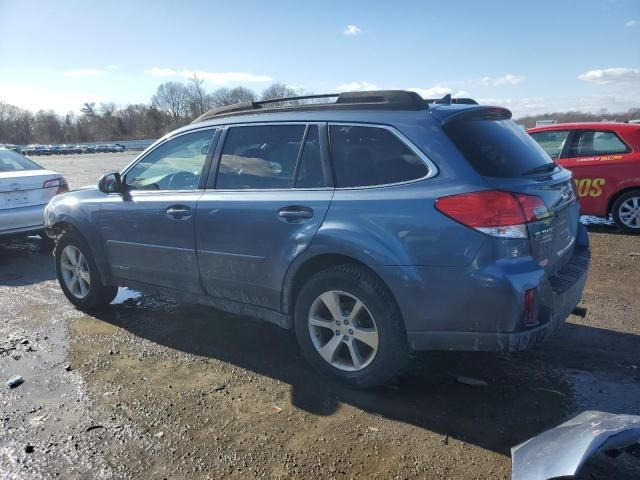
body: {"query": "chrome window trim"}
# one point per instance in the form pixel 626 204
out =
pixel 432 170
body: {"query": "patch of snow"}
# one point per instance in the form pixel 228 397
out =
pixel 125 294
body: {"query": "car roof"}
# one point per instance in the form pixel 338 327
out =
pixel 610 126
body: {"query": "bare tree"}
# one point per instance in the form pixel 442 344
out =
pixel 172 98
pixel 197 96
pixel 278 90
pixel 224 96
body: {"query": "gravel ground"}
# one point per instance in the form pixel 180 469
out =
pixel 152 389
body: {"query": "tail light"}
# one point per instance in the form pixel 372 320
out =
pixel 493 212
pixel 60 183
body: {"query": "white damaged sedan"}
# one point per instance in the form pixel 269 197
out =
pixel 25 190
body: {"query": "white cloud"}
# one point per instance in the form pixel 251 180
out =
pixel 508 79
pixel 432 92
pixel 112 67
pixel 631 23
pixel 42 98
pixel 352 30
pixel 611 76
pixel 218 78
pixel 356 87
pixel 86 72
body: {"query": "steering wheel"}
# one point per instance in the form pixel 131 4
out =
pixel 182 180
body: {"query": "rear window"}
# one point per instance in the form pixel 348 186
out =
pixel 497 148
pixel 12 162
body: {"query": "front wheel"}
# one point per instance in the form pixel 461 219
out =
pixel 78 274
pixel 349 326
pixel 626 211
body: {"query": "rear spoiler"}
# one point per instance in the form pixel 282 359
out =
pixel 473 113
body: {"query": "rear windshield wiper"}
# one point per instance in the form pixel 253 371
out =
pixel 546 168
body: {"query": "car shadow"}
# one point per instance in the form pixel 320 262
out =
pixel 26 261
pixel 525 394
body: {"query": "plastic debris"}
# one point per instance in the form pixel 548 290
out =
pixel 276 409
pixel 14 382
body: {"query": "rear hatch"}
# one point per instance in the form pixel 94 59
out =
pixel 25 188
pixel 511 161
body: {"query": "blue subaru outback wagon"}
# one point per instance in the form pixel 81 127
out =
pixel 374 224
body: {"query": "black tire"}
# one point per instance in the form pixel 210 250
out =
pixel 392 353
pixel 98 295
pixel 617 205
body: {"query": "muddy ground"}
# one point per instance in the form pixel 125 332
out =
pixel 151 389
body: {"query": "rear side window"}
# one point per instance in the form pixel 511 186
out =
pixel 12 162
pixel 369 156
pixel 587 143
pixel 260 156
pixel 497 148
pixel 551 141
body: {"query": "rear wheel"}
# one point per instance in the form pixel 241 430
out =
pixel 78 274
pixel 626 211
pixel 349 326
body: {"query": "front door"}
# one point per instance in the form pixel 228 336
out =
pixel 149 231
pixel 270 197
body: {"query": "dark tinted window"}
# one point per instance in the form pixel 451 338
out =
pixel 366 156
pixel 310 174
pixel 552 141
pixel 12 162
pixel 261 156
pixel 588 143
pixel 497 148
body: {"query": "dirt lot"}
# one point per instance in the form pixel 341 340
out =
pixel 152 389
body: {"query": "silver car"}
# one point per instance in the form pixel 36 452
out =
pixel 25 189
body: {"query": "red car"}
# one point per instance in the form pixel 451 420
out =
pixel 605 161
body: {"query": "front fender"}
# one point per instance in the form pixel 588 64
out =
pixel 73 209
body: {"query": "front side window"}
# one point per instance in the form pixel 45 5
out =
pixel 369 156
pixel 175 165
pixel 260 157
pixel 588 143
pixel 551 141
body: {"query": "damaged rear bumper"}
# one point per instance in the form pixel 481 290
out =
pixel 563 293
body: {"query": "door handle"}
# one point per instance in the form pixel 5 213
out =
pixel 178 212
pixel 295 213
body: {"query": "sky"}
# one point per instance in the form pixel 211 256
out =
pixel 532 57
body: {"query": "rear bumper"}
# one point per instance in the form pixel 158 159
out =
pixel 22 220
pixel 481 307
pixel 567 287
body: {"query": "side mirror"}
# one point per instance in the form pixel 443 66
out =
pixel 110 183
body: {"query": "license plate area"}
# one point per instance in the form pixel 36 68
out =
pixel 15 199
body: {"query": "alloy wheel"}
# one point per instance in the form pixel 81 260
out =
pixel 75 271
pixel 343 330
pixel 629 212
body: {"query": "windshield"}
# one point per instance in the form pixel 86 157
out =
pixel 497 148
pixel 12 162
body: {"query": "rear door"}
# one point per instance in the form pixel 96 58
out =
pixel 510 160
pixel 269 197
